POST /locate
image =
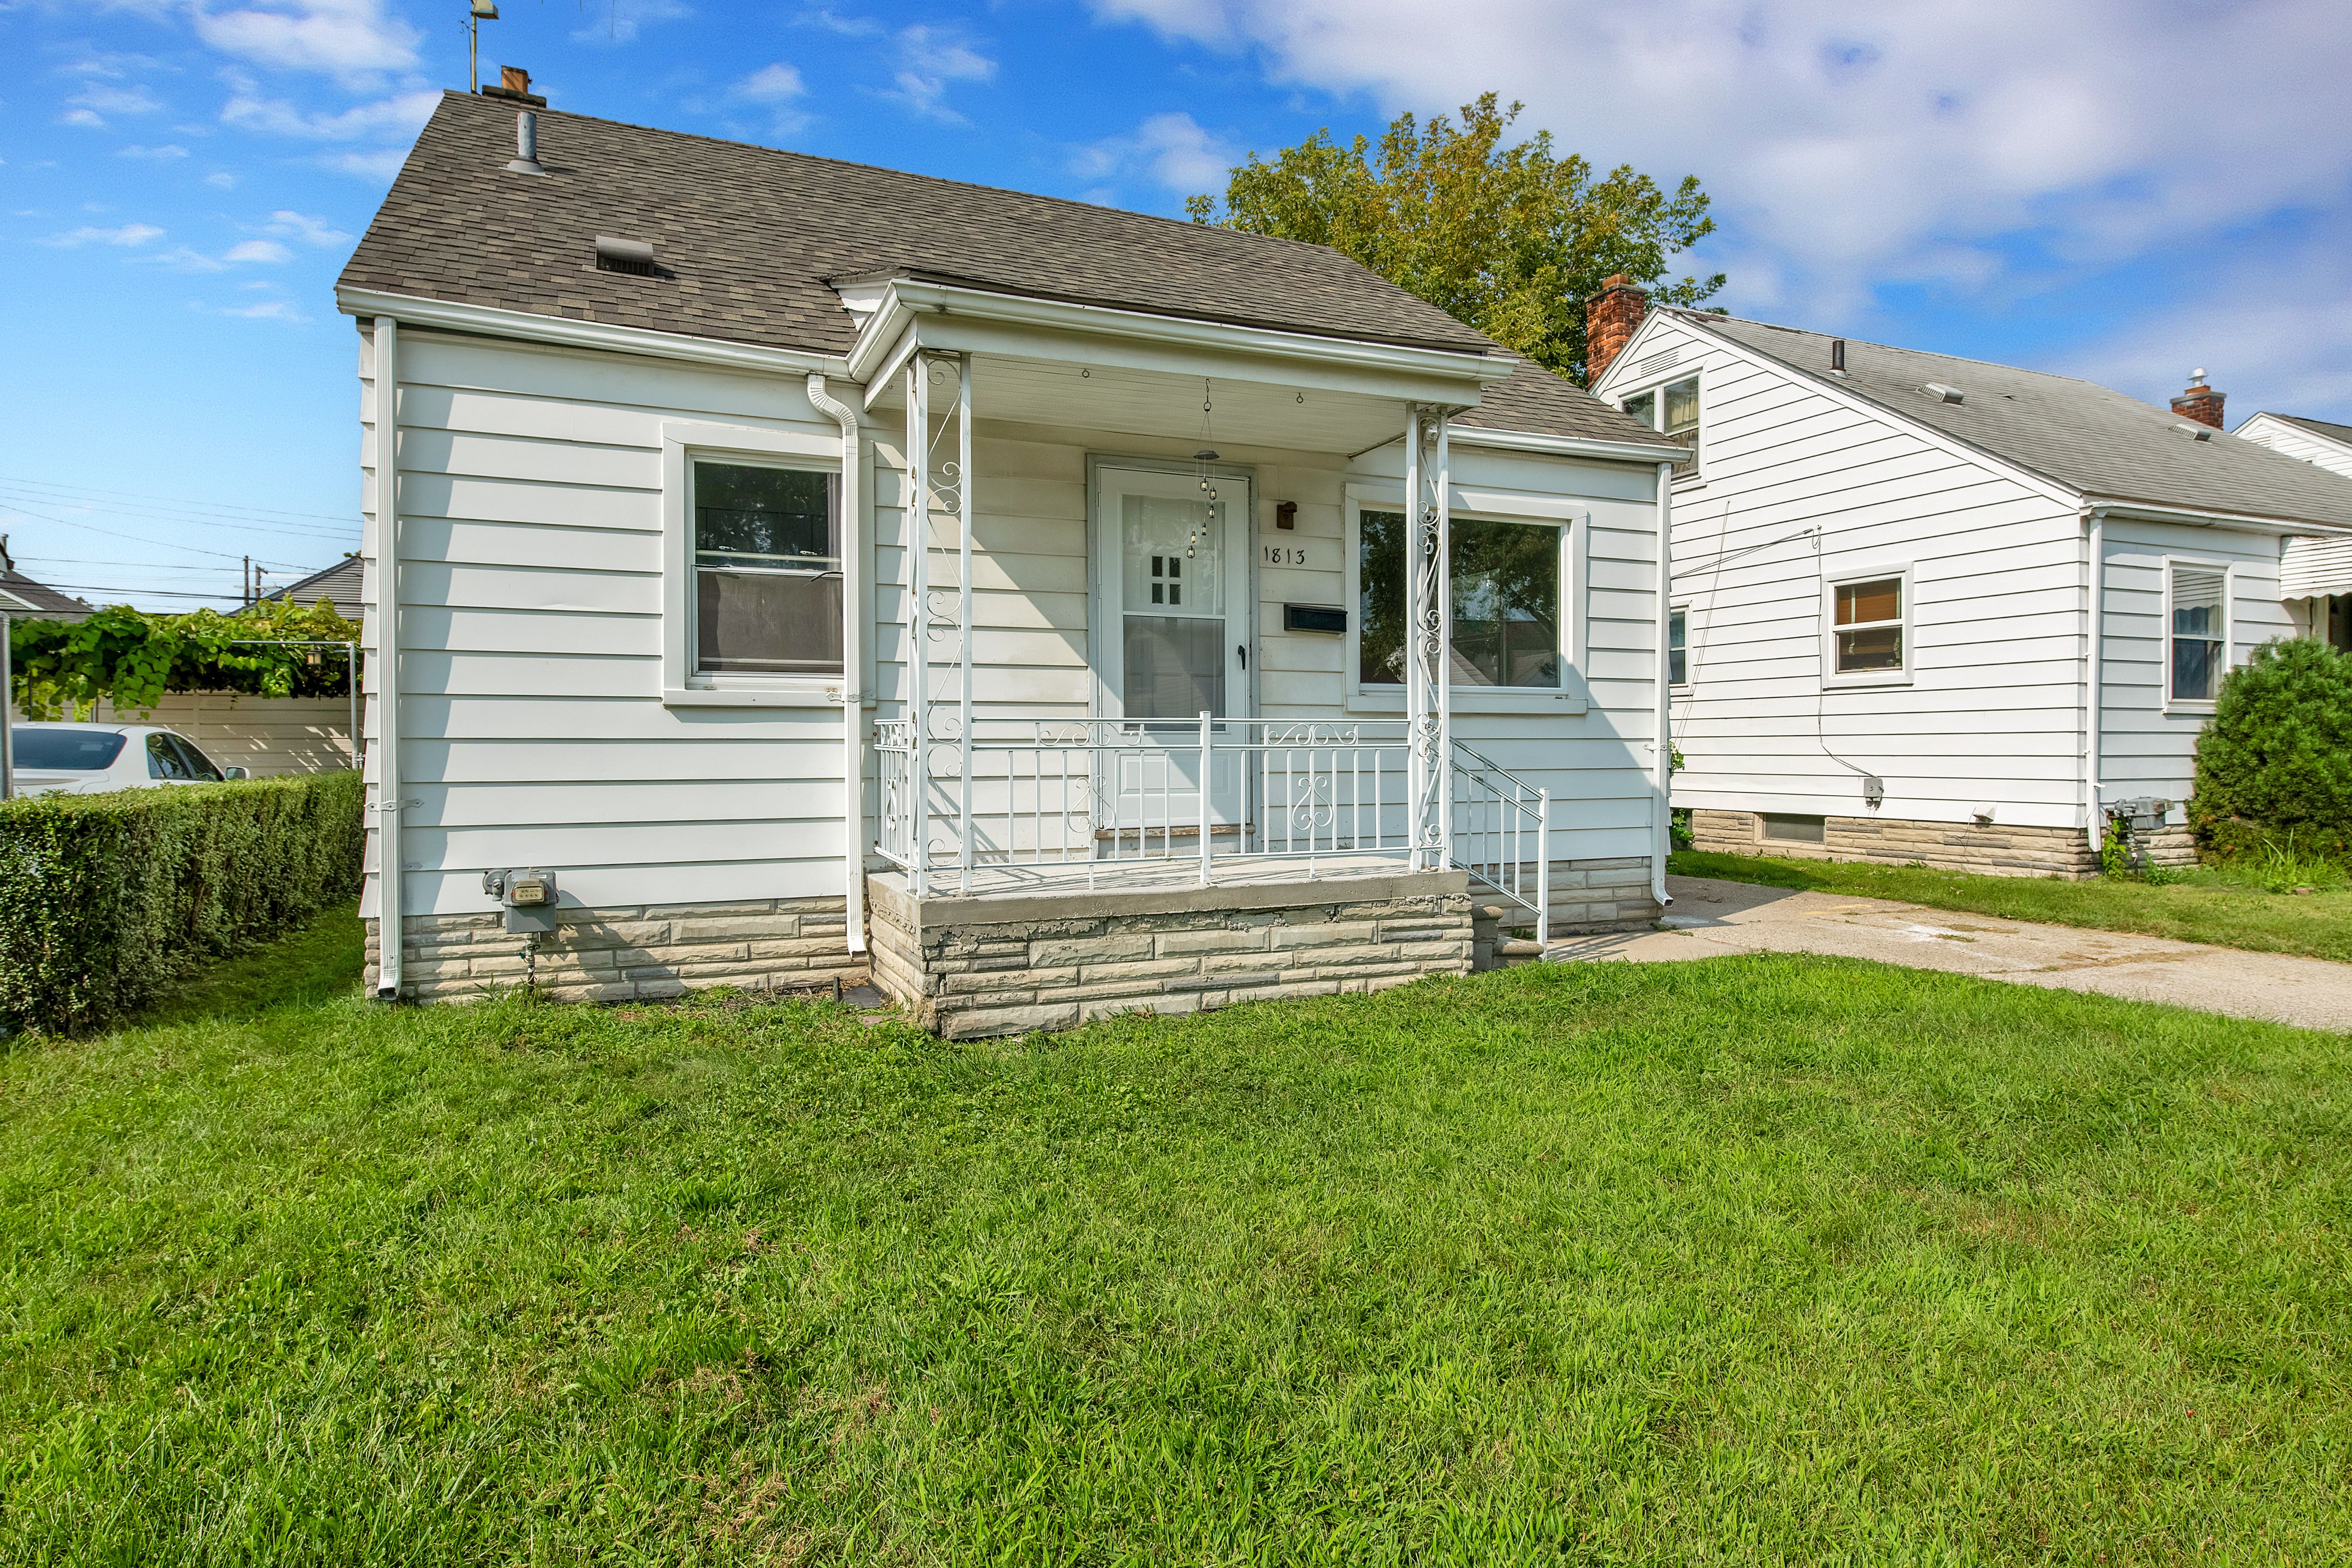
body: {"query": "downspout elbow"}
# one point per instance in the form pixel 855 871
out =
pixel 853 701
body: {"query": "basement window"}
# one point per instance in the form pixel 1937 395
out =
pixel 1784 827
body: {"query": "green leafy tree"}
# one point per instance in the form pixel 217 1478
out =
pixel 133 658
pixel 1511 239
pixel 2276 760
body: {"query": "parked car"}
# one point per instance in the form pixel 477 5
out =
pixel 90 759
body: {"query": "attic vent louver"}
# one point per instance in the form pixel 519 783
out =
pixel 1657 362
pixel 631 256
pixel 1942 393
pixel 2195 432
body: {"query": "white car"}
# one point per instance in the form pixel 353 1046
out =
pixel 90 759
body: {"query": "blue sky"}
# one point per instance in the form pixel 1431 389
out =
pixel 2117 190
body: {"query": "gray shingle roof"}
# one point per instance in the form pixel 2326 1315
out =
pixel 1533 398
pixel 22 597
pixel 339 586
pixel 2338 433
pixel 747 237
pixel 2086 437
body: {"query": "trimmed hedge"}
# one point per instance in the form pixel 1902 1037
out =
pixel 2275 762
pixel 105 900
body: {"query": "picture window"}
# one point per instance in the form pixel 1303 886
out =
pixel 1507 601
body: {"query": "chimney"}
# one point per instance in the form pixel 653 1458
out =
pixel 514 82
pixel 2201 402
pixel 1610 319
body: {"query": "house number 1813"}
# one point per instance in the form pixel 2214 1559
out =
pixel 1286 555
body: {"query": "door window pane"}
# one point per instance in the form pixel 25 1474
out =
pixel 767 569
pixel 1171 560
pixel 1174 667
pixel 2199 603
pixel 1506 603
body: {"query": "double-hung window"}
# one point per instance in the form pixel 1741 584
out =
pixel 1673 411
pixel 1678 646
pixel 766 551
pixel 2198 600
pixel 1867 627
pixel 1508 598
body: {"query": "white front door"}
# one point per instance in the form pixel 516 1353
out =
pixel 1172 631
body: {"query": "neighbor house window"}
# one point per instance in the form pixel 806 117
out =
pixel 1678 646
pixel 1506 603
pixel 1673 410
pixel 2199 598
pixel 767 571
pixel 1867 625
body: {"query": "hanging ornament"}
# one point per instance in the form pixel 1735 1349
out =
pixel 1204 457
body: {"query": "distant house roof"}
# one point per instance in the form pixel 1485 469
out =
pixel 2088 437
pixel 2340 434
pixel 340 584
pixel 751 242
pixel 20 596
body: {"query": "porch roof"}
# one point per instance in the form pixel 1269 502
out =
pixel 750 241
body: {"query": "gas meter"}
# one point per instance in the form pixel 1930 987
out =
pixel 529 896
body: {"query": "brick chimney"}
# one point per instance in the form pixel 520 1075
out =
pixel 1610 319
pixel 514 82
pixel 2201 402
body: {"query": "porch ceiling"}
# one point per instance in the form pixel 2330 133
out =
pixel 1158 403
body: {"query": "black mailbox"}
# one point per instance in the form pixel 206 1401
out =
pixel 1313 618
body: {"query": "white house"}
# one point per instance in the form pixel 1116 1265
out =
pixel 1931 609
pixel 821 573
pixel 2315 573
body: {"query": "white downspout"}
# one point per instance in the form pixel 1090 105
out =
pixel 1666 836
pixel 2094 825
pixel 390 900
pixel 853 700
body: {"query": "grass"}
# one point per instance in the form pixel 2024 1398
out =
pixel 2246 906
pixel 1772 1260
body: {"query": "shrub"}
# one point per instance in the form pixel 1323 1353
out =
pixel 2277 757
pixel 106 899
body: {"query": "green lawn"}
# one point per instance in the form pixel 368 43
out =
pixel 2226 907
pixel 1770 1259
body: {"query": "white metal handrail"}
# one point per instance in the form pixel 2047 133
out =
pixel 1110 792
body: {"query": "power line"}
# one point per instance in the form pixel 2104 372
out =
pixel 135 539
pixel 146 592
pixel 198 520
pixel 173 501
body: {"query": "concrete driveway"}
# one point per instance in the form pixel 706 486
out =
pixel 1711 919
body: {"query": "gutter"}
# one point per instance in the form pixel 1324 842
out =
pixel 391 891
pixel 853 701
pixel 1561 446
pixel 562 331
pixel 2194 518
pixel 1666 836
pixel 2094 674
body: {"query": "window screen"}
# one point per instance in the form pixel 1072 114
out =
pixel 767 571
pixel 1869 625
pixel 1506 603
pixel 2199 645
pixel 1677 658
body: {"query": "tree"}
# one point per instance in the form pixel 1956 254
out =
pixel 1511 239
pixel 131 658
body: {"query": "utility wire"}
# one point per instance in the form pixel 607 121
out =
pixel 208 506
pixel 178 520
pixel 135 539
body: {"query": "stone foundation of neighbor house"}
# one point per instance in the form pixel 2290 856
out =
pixel 1988 849
pixel 634 953
pixel 1006 964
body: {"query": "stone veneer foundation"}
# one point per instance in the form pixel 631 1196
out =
pixel 626 953
pixel 1986 849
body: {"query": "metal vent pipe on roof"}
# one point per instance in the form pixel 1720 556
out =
pixel 526 158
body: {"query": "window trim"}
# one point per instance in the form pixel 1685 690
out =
pixel 1832 679
pixel 1673 376
pixel 683 443
pixel 1678 612
pixel 2197 707
pixel 1573 518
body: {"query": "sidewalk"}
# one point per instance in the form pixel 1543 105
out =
pixel 1711 919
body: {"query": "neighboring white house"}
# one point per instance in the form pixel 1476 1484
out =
pixel 2316 575
pixel 823 572
pixel 1931 609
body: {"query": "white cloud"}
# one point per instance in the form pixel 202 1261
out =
pixel 308 230
pixel 928 61
pixel 623 20
pixel 221 180
pixel 1172 148
pixel 263 251
pixel 266 311
pixel 379 166
pixel 1850 144
pixel 129 234
pixel 776 83
pixel 98 100
pixel 345 38
pixel 164 153
pixel 81 117
pixel 846 26
pixel 400 116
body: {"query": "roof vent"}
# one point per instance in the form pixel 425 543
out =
pixel 1837 356
pixel 526 158
pixel 635 257
pixel 2195 432
pixel 1942 393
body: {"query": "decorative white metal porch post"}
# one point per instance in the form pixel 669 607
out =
pixel 937 487
pixel 1428 617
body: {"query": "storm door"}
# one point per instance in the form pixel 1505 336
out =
pixel 1172 603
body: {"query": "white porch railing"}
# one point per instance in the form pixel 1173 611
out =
pixel 1106 793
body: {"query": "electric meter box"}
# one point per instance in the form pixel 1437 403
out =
pixel 529 896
